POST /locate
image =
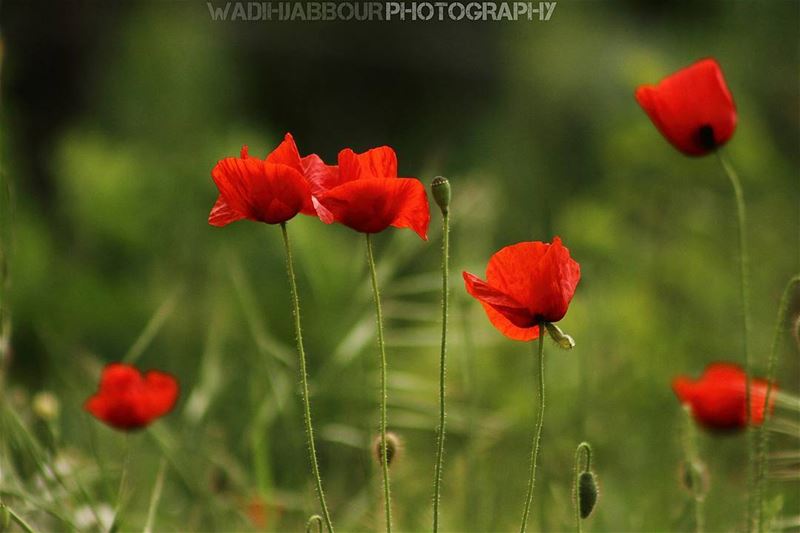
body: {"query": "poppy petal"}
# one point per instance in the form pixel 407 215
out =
pixel 222 214
pixel 378 162
pixel 515 312
pixel 266 192
pixel 718 399
pixel 163 391
pixel 692 108
pixel 127 400
pixel 373 204
pixel 321 178
pixel 540 275
pixel 557 277
pixel 286 154
pixel 507 328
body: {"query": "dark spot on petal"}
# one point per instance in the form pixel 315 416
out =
pixel 705 137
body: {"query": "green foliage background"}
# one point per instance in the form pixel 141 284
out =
pixel 536 127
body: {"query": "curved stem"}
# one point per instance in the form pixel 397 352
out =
pixel 312 450
pixel 437 480
pixel 763 435
pixel 744 276
pixel 587 448
pixel 387 497
pixel 314 519
pixel 537 435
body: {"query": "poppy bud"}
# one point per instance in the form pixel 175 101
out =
pixel 393 445
pixel 564 341
pixel 440 188
pixel 587 492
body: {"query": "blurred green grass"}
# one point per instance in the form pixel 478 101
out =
pixel 537 130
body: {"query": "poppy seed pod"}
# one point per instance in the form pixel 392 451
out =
pixel 440 189
pixel 587 493
pixel 393 445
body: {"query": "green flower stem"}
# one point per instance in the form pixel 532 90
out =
pixel 537 435
pixel 763 435
pixel 17 518
pixel 744 272
pixel 587 448
pixel 312 450
pixel 692 465
pixel 437 480
pixel 155 497
pixel 387 496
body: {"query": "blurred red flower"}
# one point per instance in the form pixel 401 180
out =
pixel 272 190
pixel 364 193
pixel 718 398
pixel 692 108
pixel 128 400
pixel 526 283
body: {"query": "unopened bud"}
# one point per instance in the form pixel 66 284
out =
pixel 587 492
pixel 393 445
pixel 564 341
pixel 440 188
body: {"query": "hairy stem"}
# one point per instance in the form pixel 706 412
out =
pixel 743 286
pixel 763 434
pixel 312 450
pixel 387 496
pixel 587 449
pixel 537 437
pixel 437 480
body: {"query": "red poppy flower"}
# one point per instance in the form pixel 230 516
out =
pixel 272 190
pixel 718 398
pixel 526 283
pixel 692 108
pixel 128 400
pixel 364 193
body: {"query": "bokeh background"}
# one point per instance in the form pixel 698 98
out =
pixel 114 113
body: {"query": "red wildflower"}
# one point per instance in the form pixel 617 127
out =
pixel 526 283
pixel 128 400
pixel 692 108
pixel 272 190
pixel 364 193
pixel 718 398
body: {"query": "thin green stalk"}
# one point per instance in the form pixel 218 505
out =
pixel 537 435
pixel 312 451
pixel 155 497
pixel 437 480
pixel 763 434
pixel 123 481
pixel 387 496
pixel 582 447
pixel 693 466
pixel 17 518
pixel 743 286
